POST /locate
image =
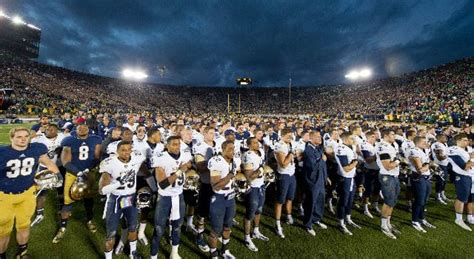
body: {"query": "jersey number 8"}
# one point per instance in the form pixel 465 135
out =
pixel 19 167
pixel 83 153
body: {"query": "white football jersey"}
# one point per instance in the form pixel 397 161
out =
pixel 253 161
pixel 52 144
pixel 444 152
pixel 284 148
pixel 406 147
pixel 344 156
pixel 218 166
pixel 370 150
pixel 457 153
pixel 384 148
pixel 140 144
pixel 185 148
pixel 170 165
pixel 153 152
pixel 416 152
pixel 133 127
pixel 116 168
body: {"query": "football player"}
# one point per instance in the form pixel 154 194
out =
pixel 388 163
pixel 286 181
pixel 170 167
pixel 420 168
pixel 40 128
pixel 222 206
pixel 439 149
pixel 371 181
pixel 255 197
pixel 17 193
pixel 346 158
pixel 330 145
pixel 52 140
pixel 202 153
pixel 118 181
pixel 79 155
pixel 463 164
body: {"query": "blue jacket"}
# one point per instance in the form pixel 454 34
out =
pixel 314 167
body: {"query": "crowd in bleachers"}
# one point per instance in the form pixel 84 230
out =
pixel 442 94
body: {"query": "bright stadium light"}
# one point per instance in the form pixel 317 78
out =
pixel 364 73
pixel 134 74
pixel 17 20
pixel 33 27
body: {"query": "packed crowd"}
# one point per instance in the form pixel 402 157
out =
pixel 172 171
pixel 439 95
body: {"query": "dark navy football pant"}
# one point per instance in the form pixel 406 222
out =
pixel 421 191
pixel 313 204
pixel 346 192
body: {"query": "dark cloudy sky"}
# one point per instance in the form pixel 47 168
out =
pixel 211 42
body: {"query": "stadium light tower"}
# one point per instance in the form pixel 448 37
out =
pixel 17 20
pixel 134 74
pixel 360 74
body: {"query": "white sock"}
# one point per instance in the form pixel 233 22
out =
pixel 388 221
pixel 459 216
pixel 133 246
pixel 278 223
pixel 141 229
pixel 190 220
pixel 438 195
pixel 341 222
pixel 174 249
pixel 384 223
pixel 366 207
pixel 108 255
pixel 470 217
pixel 247 237
pixel 225 241
pixel 348 218
pixel 154 257
pixel 289 216
pixel 256 230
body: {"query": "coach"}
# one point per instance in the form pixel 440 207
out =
pixel 314 179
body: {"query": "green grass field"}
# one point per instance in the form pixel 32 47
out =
pixel 447 241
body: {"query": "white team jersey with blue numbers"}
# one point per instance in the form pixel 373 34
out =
pixel 391 150
pixel 52 144
pixel 170 165
pixel 218 166
pixel 424 158
pixel 284 148
pixel 456 152
pixel 253 161
pixel 116 168
pixel 342 151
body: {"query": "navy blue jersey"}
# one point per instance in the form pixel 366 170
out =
pixel 82 151
pixel 103 131
pixel 17 168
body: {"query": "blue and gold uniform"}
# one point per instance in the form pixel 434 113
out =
pixel 83 157
pixel 17 172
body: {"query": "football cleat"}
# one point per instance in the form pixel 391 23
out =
pixel 368 214
pixel 142 239
pixel 427 224
pixel 344 230
pixel 135 255
pixel 311 231
pixel 441 201
pixel 279 232
pixel 228 255
pixel 250 245
pixel 352 224
pixel 59 236
pixel 37 220
pixel 289 220
pixel 394 230
pixel 175 255
pixel 462 224
pixel 202 245
pixel 321 225
pixel 418 227
pixel 260 236
pixel 91 226
pixel 388 233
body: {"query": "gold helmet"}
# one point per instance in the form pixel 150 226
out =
pixel 269 174
pixel 46 179
pixel 79 189
pixel 435 168
pixel 240 183
pixel 191 181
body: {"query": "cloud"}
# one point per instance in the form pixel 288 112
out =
pixel 213 42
